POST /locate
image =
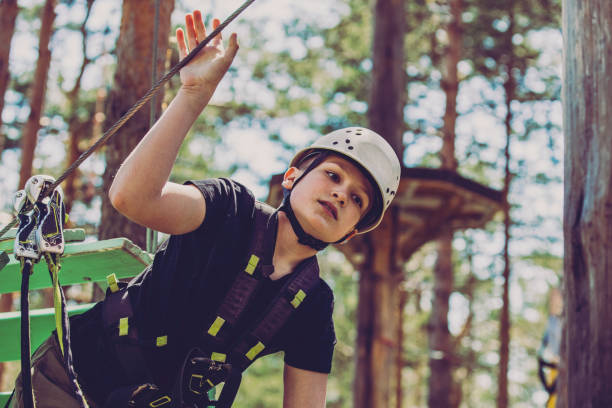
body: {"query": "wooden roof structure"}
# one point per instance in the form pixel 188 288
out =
pixel 429 199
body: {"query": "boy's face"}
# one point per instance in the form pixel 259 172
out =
pixel 331 199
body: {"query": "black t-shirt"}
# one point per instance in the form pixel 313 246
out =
pixel 180 293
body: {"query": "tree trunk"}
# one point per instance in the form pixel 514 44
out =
pixel 504 324
pixel 440 351
pixel 587 124
pixel 379 281
pixel 399 394
pixel 442 391
pixel 377 341
pixel 76 126
pixel 132 80
pixel 388 93
pixel 8 16
pixel 37 92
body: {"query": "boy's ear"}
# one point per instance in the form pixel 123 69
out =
pixel 290 177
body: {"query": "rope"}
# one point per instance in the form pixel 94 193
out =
pixel 26 375
pixel 151 235
pixel 137 106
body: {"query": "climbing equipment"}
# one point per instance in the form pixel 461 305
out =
pixel 42 214
pixel 139 104
pixel 223 353
pixel 548 358
pixel 371 153
pixel 33 200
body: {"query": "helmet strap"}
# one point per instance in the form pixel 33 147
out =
pixel 304 238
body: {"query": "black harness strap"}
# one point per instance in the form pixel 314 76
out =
pixel 249 346
pixel 118 318
pixel 220 359
pixel 243 288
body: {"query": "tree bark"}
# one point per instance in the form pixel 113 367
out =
pixel 76 126
pixel 587 123
pixel 8 17
pixel 37 92
pixel 441 355
pixel 504 324
pixel 388 93
pixel 442 391
pixel 377 342
pixel 132 80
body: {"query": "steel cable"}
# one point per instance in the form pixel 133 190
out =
pixel 136 107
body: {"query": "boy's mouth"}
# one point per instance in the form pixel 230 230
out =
pixel 330 208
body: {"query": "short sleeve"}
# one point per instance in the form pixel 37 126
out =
pixel 311 346
pixel 224 199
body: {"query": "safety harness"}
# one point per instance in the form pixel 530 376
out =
pixel 548 358
pixel 40 233
pixel 223 353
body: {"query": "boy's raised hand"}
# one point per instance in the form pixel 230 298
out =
pixel 212 62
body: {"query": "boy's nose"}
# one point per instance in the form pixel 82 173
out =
pixel 340 197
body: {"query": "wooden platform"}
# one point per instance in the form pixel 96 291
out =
pixel 82 262
pixel 42 323
pixel 427 200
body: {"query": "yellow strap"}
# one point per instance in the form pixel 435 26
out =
pixel 210 382
pixel 123 326
pixel 253 261
pixel 216 326
pixel 299 297
pixel 160 401
pixel 57 304
pixel 218 357
pixel 255 350
pixel 161 341
pixel 200 379
pixel 112 282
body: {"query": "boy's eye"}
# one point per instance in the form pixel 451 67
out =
pixel 333 175
pixel 358 200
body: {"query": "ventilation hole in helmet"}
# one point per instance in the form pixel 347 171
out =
pixel 335 142
pixel 393 193
pixel 388 202
pixel 387 190
pixel 348 140
pixel 349 131
pixel 350 147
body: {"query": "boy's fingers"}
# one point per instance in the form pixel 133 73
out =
pixel 217 39
pixel 233 45
pixel 192 41
pixel 180 40
pixel 200 29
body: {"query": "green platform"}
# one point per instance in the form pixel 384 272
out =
pixel 82 262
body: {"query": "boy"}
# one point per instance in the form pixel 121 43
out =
pixel 156 343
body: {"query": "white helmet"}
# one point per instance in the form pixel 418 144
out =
pixel 373 154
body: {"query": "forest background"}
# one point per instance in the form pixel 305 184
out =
pixel 303 69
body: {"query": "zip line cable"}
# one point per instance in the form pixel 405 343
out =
pixel 151 235
pixel 136 107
